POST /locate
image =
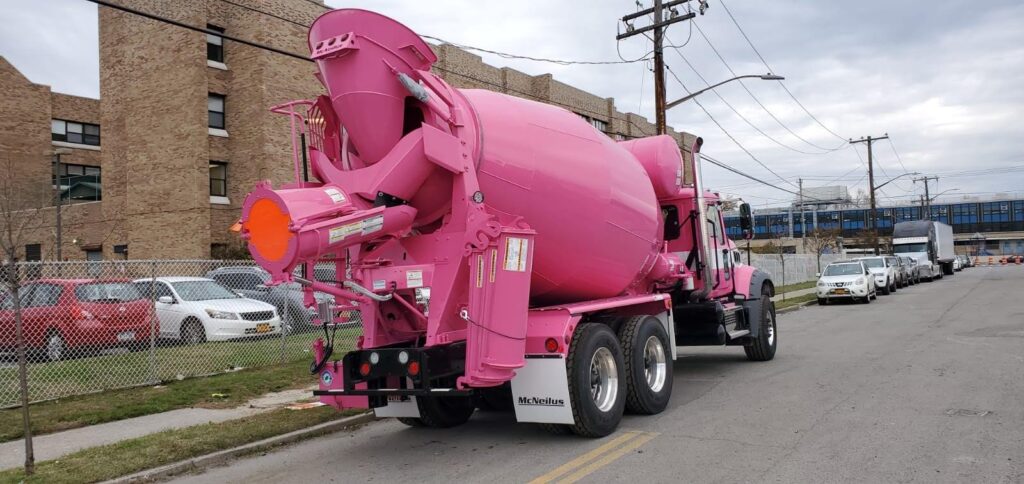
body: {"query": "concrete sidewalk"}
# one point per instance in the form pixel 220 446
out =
pixel 56 445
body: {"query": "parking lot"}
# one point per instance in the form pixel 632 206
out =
pixel 923 385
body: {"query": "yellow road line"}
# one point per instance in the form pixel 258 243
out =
pixel 609 458
pixel 585 458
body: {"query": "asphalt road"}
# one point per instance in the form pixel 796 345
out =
pixel 926 385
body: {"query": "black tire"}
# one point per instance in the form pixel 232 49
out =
pixel 412 421
pixel 192 332
pixel 642 365
pixel 497 399
pixel 893 288
pixel 444 412
pixel 822 301
pixel 885 290
pixel 866 299
pixel 556 429
pixel 590 341
pixel 762 347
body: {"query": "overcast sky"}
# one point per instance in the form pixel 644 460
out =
pixel 944 79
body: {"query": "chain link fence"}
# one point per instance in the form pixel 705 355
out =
pixel 93 326
pixel 788 269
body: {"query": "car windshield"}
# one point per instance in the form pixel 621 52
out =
pixel 202 291
pixel 874 263
pixel 910 248
pixel 107 291
pixel 843 270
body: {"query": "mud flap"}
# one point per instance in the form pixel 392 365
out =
pixel 398 408
pixel 540 390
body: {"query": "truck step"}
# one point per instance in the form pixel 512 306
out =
pixel 739 333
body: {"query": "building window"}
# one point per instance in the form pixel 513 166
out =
pixel 601 126
pixel 215 107
pixel 33 253
pixel 70 174
pixel 214 44
pixel 218 179
pixel 619 137
pixel 75 132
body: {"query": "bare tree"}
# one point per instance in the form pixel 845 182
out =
pixel 20 205
pixel 821 240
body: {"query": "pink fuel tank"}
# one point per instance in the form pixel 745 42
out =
pixel 590 201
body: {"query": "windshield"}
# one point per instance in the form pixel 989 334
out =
pixel 874 263
pixel 843 270
pixel 910 248
pixel 107 291
pixel 203 291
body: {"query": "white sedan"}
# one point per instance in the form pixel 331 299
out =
pixel 846 280
pixel 197 309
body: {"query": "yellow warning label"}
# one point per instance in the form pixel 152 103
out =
pixel 515 254
pixel 494 265
pixel 479 271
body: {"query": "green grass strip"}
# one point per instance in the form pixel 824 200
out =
pixel 130 456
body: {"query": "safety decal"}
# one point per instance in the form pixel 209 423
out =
pixel 515 254
pixel 337 234
pixel 494 265
pixel 379 284
pixel 373 224
pixel 413 279
pixel 335 194
pixel 479 271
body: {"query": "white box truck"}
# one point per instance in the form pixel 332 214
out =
pixel 929 243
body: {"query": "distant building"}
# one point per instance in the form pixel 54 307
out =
pixel 162 162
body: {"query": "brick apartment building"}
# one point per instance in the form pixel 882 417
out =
pixel 160 164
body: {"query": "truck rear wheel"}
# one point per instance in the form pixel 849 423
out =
pixel 762 347
pixel 648 364
pixel 597 388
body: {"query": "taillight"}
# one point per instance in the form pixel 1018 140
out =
pixel 413 368
pixel 85 314
pixel 364 369
pixel 551 344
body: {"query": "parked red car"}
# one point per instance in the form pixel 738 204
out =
pixel 64 316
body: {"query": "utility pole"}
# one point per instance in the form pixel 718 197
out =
pixel 60 226
pixel 659 65
pixel 803 224
pixel 926 202
pixel 871 185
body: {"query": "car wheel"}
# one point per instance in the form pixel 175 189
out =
pixel 648 364
pixel 56 346
pixel 822 301
pixel 192 332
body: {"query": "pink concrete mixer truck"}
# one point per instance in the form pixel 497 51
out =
pixel 495 248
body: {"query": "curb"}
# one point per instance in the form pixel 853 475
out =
pixel 219 457
pixel 796 307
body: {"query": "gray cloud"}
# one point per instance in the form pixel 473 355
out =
pixel 942 78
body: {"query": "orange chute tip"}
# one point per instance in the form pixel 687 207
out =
pixel 237 227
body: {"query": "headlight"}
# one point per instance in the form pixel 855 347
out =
pixel 821 284
pixel 859 281
pixel 215 314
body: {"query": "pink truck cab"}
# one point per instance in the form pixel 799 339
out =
pixel 495 247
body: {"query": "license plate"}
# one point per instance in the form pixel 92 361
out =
pixel 839 291
pixel 126 336
pixel 263 327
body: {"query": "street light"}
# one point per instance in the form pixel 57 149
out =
pixel 877 187
pixel 764 77
pixel 56 171
pixel 930 200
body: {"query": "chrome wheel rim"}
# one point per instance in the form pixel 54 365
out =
pixel 604 379
pixel 55 348
pixel 771 328
pixel 654 364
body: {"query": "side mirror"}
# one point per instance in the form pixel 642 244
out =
pixel 817 274
pixel 746 221
pixel 165 299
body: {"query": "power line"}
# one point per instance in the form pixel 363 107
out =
pixel 727 133
pixel 735 111
pixel 763 61
pixel 560 62
pixel 758 101
pixel 740 173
